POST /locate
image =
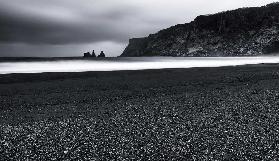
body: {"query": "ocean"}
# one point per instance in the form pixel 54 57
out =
pixel 117 64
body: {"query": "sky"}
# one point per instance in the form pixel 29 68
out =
pixel 55 28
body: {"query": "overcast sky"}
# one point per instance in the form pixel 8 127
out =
pixel 71 27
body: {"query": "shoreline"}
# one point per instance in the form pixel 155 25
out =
pixel 32 59
pixel 127 64
pixel 48 76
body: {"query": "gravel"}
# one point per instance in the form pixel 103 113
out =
pixel 228 113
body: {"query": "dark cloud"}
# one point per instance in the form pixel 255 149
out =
pixel 66 27
pixel 28 28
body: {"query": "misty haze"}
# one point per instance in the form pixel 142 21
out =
pixel 128 64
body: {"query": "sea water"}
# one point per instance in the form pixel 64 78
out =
pixel 116 64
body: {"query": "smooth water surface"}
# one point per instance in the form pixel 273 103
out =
pixel 117 64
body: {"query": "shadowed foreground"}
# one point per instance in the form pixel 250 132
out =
pixel 226 113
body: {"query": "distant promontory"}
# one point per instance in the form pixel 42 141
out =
pixel 241 32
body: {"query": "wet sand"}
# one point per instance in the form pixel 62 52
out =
pixel 225 113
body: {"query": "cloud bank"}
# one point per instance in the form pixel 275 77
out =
pixel 69 27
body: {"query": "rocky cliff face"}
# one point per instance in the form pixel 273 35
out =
pixel 241 32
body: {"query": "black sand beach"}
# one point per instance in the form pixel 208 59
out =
pixel 226 113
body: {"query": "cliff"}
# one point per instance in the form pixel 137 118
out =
pixel 241 32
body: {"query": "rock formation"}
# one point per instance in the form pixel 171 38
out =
pixel 86 55
pixel 93 54
pixel 241 32
pixel 102 55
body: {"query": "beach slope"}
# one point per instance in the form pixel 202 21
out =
pixel 225 113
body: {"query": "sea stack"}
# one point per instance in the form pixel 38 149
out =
pixel 102 55
pixel 86 55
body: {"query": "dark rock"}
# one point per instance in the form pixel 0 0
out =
pixel 245 31
pixel 87 55
pixel 102 55
pixel 93 54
